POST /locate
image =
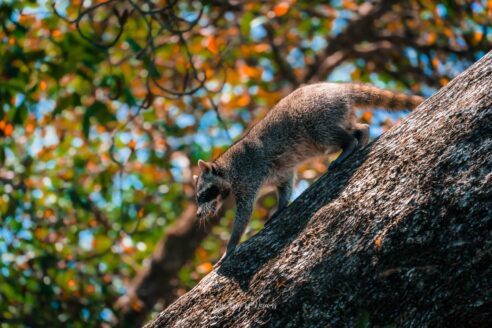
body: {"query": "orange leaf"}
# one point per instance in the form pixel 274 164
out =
pixel 132 144
pixel 431 37
pixel 250 71
pixel 243 100
pixel 136 304
pixel 8 130
pixel 435 62
pixel 205 267
pixel 56 34
pixel 23 19
pixel 366 116
pixel 43 85
pixel 262 47
pixel 127 249
pixel 90 289
pixel 477 36
pixel 30 128
pixel 281 9
pixel 48 213
pixel 212 45
pixel 216 152
pixel 348 4
pixel 448 32
pixel 202 254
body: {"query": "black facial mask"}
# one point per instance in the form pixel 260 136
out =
pixel 208 195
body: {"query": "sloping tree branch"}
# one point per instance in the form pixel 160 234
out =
pixel 158 280
pixel 348 45
pixel 398 235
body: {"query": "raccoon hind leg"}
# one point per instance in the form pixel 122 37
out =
pixel 361 133
pixel 347 142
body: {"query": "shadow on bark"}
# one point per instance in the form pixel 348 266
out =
pixel 234 268
pixel 400 235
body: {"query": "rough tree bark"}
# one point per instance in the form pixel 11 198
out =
pixel 158 281
pixel 362 38
pixel 400 234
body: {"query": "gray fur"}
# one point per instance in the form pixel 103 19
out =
pixel 313 120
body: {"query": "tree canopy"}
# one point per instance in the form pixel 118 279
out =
pixel 106 106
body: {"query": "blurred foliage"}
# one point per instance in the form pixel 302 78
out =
pixel 105 106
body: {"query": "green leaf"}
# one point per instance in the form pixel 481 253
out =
pixel 245 23
pixel 134 45
pixel 103 243
pixel 34 55
pixel 86 124
pixel 19 115
pixel 2 155
pixel 99 111
pixel 102 113
pixel 129 98
pixel 69 101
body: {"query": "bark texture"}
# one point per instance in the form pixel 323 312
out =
pixel 400 234
pixel 158 281
pixel 365 37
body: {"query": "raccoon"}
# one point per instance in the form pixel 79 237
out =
pixel 313 120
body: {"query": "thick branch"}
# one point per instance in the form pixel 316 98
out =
pixel 284 67
pixel 346 46
pixel 398 235
pixel 158 281
pixel 357 30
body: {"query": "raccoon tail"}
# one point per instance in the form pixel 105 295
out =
pixel 368 96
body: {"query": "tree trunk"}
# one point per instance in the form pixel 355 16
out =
pixel 400 234
pixel 158 280
pixel 362 29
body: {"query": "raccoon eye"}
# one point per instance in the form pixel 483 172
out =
pixel 208 194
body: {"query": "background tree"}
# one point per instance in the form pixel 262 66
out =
pixel 106 105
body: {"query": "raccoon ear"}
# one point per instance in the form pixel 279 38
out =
pixel 204 166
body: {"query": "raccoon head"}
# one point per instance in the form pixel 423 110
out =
pixel 212 188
